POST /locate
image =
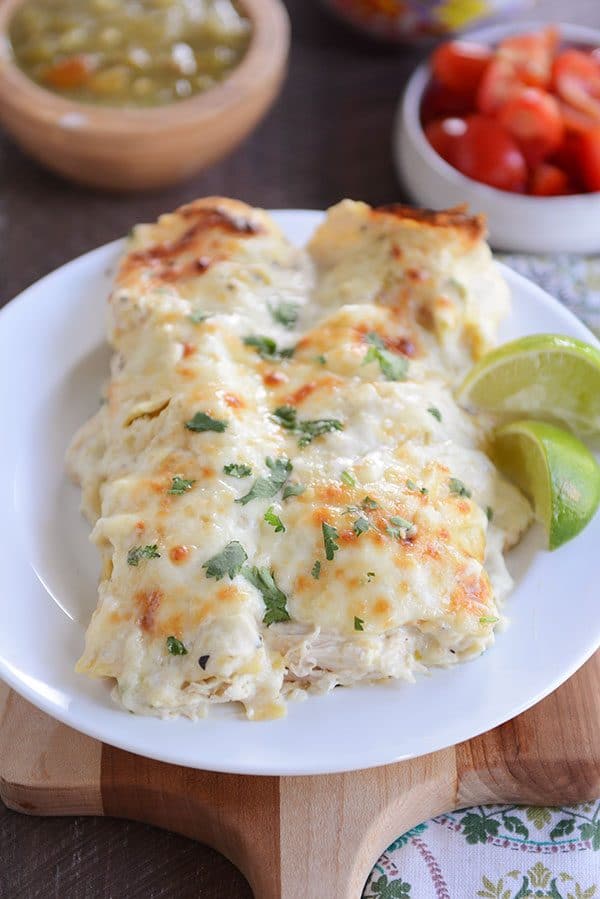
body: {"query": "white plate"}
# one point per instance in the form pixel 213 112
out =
pixel 53 359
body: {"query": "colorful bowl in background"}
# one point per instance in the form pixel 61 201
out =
pixel 410 20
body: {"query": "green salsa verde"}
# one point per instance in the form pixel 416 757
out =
pixel 129 52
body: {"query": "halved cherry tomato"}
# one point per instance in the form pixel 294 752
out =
pixel 486 152
pixel 459 65
pixel 498 83
pixel 548 181
pixel 531 55
pixel 533 118
pixel 567 159
pixel 73 71
pixel 442 134
pixel 588 153
pixel 439 102
pixel 576 78
pixel 574 119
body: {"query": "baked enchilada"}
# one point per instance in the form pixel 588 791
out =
pixel 285 494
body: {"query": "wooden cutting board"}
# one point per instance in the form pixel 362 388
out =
pixel 306 837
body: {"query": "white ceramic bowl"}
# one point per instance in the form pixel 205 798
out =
pixel 516 222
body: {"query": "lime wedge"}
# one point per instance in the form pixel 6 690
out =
pixel 555 470
pixel 542 376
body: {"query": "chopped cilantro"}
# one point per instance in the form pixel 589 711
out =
pixel 228 561
pixel 348 479
pixel 203 422
pixel 237 470
pixel 275 599
pixel 176 647
pixel 360 526
pixel 370 575
pixel 316 570
pixel 330 535
pixel 197 318
pixel 433 410
pixel 202 661
pixel 488 619
pixel 267 348
pixel 264 488
pixel 489 513
pixel 273 519
pixel 412 486
pixel 458 487
pixel 285 313
pixel 392 366
pixel 321 359
pixel 399 527
pixel 287 417
pixel 142 552
pixel 369 503
pixel 180 485
pixel 293 489
pixel 358 624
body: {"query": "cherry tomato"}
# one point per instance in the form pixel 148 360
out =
pixel 576 77
pixel 531 55
pixel 497 84
pixel 486 152
pixel 567 159
pixel 459 65
pixel 534 119
pixel 442 134
pixel 588 153
pixel 548 181
pixel 574 120
pixel 439 102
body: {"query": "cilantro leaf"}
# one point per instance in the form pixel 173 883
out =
pixel 293 489
pixel 348 479
pixel 307 430
pixel 489 513
pixel 433 410
pixel 330 535
pixel 237 470
pixel 361 525
pixel 488 619
pixel 285 313
pixel 264 488
pixel 203 422
pixel 228 561
pixel 370 575
pixel 275 599
pixel 392 366
pixel 321 359
pixel 399 527
pixel 197 318
pixel 273 519
pixel 369 503
pixel 412 486
pixel 137 553
pixel 458 487
pixel 176 647
pixel 359 624
pixel 180 485
pixel 267 348
pixel 316 570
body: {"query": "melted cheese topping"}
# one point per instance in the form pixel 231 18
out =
pixel 392 469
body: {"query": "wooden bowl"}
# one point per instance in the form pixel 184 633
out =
pixel 135 149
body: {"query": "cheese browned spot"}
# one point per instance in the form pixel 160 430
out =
pixel 270 588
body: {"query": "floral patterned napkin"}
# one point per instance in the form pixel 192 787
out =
pixel 507 852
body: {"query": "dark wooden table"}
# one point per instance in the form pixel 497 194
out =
pixel 327 137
